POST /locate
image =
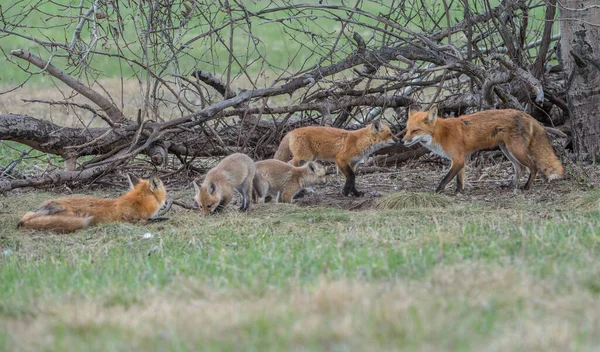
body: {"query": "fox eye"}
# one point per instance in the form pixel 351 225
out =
pixel 416 130
pixel 209 206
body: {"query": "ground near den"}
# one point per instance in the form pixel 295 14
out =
pixel 492 269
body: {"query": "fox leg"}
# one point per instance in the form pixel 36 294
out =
pixel 460 181
pixel 287 195
pixel 245 189
pixel 515 163
pixel 224 201
pixel 521 154
pixel 259 188
pixel 455 168
pixel 350 185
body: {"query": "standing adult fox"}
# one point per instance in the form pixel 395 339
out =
pixel 144 200
pixel 516 133
pixel 346 148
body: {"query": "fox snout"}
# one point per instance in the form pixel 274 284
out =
pixel 411 141
pixel 407 140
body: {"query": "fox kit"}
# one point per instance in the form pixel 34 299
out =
pixel 516 133
pixel 68 214
pixel 236 171
pixel 346 148
pixel 283 181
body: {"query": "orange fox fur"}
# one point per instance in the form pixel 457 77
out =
pixel 284 181
pixel 68 214
pixel 235 172
pixel 346 148
pixel 516 133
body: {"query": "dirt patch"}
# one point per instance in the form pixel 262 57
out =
pixel 485 183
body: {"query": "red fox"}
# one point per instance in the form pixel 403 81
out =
pixel 236 171
pixel 284 181
pixel 346 148
pixel 144 200
pixel 516 133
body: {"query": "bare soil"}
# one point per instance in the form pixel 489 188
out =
pixel 486 182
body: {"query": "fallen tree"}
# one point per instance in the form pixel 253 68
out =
pixel 481 61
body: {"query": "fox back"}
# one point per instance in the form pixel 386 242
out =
pixel 283 180
pixel 328 143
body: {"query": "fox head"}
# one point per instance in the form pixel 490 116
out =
pixel 150 190
pixel 381 134
pixel 420 126
pixel 207 197
pixel 315 174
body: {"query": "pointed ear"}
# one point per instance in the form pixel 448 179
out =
pixel 155 182
pixel 311 167
pixel 196 188
pixel 133 180
pixel 413 109
pixel 432 114
pixel 212 187
pixel 376 125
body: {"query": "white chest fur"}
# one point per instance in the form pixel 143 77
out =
pixel 437 149
pixel 427 141
pixel 368 151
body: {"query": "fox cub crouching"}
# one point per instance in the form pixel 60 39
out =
pixel 346 148
pixel 516 133
pixel 68 214
pixel 283 181
pixel 236 171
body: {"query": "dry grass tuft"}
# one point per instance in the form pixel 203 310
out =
pixel 411 200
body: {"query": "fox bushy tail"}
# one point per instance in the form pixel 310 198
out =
pixel 545 159
pixel 56 223
pixel 284 153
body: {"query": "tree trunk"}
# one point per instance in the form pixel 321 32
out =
pixel 580 54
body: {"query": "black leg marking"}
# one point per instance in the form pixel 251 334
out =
pixel 350 185
pixel 454 169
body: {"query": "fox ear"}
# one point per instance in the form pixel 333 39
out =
pixel 212 188
pixel 311 167
pixel 196 188
pixel 376 125
pixel 155 182
pixel 133 180
pixel 413 109
pixel 432 114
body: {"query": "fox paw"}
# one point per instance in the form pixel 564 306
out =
pixel 357 193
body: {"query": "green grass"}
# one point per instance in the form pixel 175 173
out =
pixel 281 43
pixel 465 276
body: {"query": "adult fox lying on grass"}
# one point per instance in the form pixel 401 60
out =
pixel 68 214
pixel 516 133
pixel 284 181
pixel 346 148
